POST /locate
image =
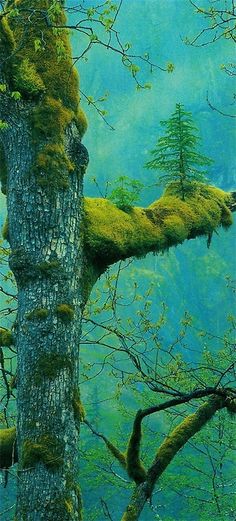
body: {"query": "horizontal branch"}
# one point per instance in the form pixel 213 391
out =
pixel 112 234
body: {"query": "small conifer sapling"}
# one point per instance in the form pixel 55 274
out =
pixel 176 153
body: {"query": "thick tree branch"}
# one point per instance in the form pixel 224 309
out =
pixel 169 448
pixel 112 234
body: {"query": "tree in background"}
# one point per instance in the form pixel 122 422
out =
pixel 176 154
pixel 60 245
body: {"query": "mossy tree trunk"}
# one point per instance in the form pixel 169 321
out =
pixel 43 183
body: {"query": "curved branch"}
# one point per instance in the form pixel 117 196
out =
pixel 112 234
pixel 169 448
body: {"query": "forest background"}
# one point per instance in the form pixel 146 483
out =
pixel 188 278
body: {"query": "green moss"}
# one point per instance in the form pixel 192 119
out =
pixel 5 230
pixel 52 167
pixel 26 80
pixel 183 432
pixel 131 514
pixel 135 469
pixel 8 452
pixel 46 449
pixel 111 234
pixel 22 266
pixel 3 170
pixel 38 314
pixel 65 312
pixel 48 268
pixel 49 366
pixel 79 411
pixel 120 456
pixel 174 229
pixel 7 40
pixel 41 69
pixel 6 337
pixel 81 122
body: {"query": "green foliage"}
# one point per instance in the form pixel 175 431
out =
pixel 176 154
pixel 126 193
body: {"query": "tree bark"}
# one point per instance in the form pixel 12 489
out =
pixel 44 203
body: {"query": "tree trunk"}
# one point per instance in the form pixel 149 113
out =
pixel 45 237
pixel 44 201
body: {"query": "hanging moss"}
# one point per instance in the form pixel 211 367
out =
pixel 46 449
pixel 38 314
pixel 50 365
pixel 5 231
pixel 79 411
pixel 65 312
pixel 8 449
pixel 6 337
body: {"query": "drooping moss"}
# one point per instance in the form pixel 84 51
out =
pixel 6 337
pixel 79 411
pixel 50 365
pixel 8 449
pixel 65 312
pixel 46 449
pixel 81 122
pixel 38 314
pixel 5 230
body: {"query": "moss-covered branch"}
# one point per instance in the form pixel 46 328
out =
pixel 8 452
pixel 112 234
pixel 171 445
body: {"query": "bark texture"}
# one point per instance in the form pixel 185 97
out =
pixel 44 202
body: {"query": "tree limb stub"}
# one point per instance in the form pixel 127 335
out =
pixel 112 234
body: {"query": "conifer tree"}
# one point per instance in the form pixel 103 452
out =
pixel 176 152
